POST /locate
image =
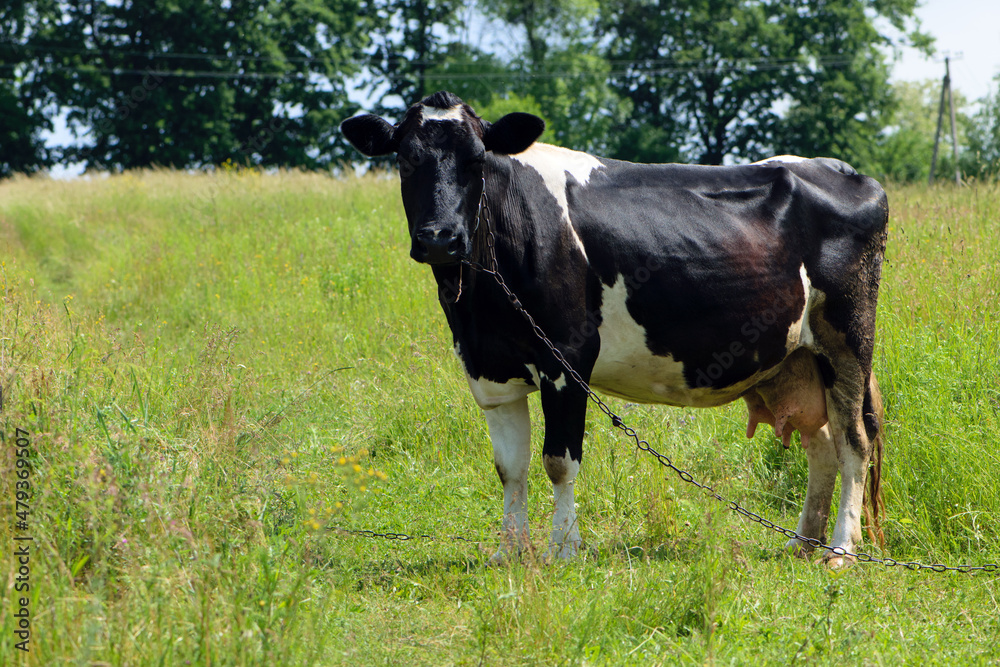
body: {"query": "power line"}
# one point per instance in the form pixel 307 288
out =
pixel 115 51
pixel 184 74
pixel 680 64
pixel 759 65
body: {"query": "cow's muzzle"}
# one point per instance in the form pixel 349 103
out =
pixel 439 245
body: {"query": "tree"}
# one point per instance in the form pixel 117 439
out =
pixel 22 116
pixel 412 38
pixel 188 83
pixel 702 71
pixel 557 63
pixel 902 150
pixel 981 157
pixel 739 79
pixel 840 108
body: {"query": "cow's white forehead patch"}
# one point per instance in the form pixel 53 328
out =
pixel 790 159
pixel 433 113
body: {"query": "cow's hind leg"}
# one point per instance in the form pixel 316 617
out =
pixel 510 433
pixel 565 409
pixel 822 457
pixel 854 443
pixel 857 421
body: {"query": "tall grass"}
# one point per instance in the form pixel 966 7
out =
pixel 217 370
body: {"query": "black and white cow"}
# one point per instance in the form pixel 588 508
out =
pixel 676 284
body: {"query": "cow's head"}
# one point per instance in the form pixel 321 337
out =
pixel 441 147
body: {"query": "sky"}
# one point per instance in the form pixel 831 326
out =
pixel 969 27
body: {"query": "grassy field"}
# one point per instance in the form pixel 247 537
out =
pixel 216 370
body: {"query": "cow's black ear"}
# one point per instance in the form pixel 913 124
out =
pixel 370 134
pixel 513 133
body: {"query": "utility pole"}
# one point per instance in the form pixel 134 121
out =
pixel 946 89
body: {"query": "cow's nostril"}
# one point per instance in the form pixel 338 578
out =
pixel 440 245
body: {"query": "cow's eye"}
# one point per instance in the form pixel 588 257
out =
pixel 406 164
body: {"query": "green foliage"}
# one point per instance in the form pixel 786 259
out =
pixel 982 151
pixel 474 75
pixel 840 106
pixel 559 65
pixel 21 146
pixel 711 75
pixel 23 113
pixel 184 83
pixel 501 106
pixel 406 48
pixel 194 354
pixel 572 89
pixel 267 84
pixel 546 24
pixel 696 71
pixel 903 150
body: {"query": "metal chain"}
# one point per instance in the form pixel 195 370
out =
pixel 402 537
pixel 492 269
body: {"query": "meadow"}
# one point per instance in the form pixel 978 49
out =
pixel 216 372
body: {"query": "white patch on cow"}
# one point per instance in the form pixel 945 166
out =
pixel 790 159
pixel 627 368
pixel 800 333
pixel 565 539
pixel 553 163
pixel 559 382
pixel 847 531
pixel 433 113
pixel 489 394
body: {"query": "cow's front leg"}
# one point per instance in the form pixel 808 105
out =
pixel 510 433
pixel 565 408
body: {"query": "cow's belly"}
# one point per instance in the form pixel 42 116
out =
pixel 627 368
pixel 647 378
pixel 646 386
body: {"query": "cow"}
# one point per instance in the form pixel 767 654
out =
pixel 684 285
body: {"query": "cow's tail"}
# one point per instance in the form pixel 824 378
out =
pixel 874 418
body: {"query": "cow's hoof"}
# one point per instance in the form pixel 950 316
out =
pixel 504 557
pixel 798 548
pixel 564 550
pixel 837 561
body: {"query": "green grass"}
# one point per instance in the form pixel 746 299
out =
pixel 203 360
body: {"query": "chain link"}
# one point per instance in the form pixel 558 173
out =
pixel 401 537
